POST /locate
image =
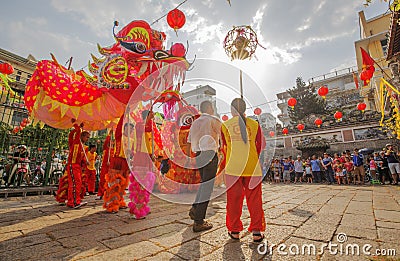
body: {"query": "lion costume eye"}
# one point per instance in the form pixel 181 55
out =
pixel 134 47
pixel 140 47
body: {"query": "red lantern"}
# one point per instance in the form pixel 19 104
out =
pixel 323 91
pixel 257 111
pixel 225 118
pixel 338 115
pixel 176 19
pixel 25 120
pixel 318 122
pixel 271 134
pixel 16 129
pixel 367 74
pixel 292 102
pixel 23 124
pixel 39 149
pixel 178 50
pixel 285 131
pixel 361 106
pixel 6 68
pixel 300 127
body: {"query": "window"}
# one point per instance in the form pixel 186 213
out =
pixel 28 77
pixel 18 77
pixel 384 44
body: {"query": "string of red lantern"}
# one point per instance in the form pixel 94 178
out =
pixel 361 106
pixel 323 91
pixel 176 19
pixel 338 115
pixel 158 19
pixel 6 68
pixel 292 102
pixel 318 122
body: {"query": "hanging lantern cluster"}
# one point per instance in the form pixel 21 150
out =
pixel 318 122
pixel 257 111
pixel 22 125
pixel 323 91
pixel 6 68
pixel 241 42
pixel 292 102
pixel 176 19
pixel 361 106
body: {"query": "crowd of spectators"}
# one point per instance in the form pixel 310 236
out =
pixel 380 167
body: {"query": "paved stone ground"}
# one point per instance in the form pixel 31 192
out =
pixel 36 228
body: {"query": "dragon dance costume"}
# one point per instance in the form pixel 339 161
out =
pixel 117 176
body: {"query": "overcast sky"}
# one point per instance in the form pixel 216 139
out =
pixel 303 38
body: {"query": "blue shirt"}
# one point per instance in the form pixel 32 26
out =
pixel 357 160
pixel 315 165
pixel 287 165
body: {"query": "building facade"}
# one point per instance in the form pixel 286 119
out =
pixel 201 93
pixel 12 109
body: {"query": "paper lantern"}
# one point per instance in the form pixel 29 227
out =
pixel 23 124
pixel 225 118
pixel 285 131
pixel 178 50
pixel 176 19
pixel 361 106
pixel 323 91
pixel 292 102
pixel 271 134
pixel 338 115
pixel 25 120
pixel 300 127
pixel 16 129
pixel 318 122
pixel 366 74
pixel 6 68
pixel 40 149
pixel 257 111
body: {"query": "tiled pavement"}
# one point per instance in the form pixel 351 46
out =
pixel 299 217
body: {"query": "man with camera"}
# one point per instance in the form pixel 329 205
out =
pixel 393 162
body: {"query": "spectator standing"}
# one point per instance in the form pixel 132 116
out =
pixel 359 171
pixel 287 167
pixel 316 169
pixel 393 162
pixel 298 168
pixel 349 170
pixel 372 168
pixel 308 173
pixel 327 164
pixel 277 169
pixel 384 168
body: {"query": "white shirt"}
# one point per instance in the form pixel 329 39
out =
pixel 205 133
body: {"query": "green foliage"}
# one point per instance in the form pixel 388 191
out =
pixel 308 102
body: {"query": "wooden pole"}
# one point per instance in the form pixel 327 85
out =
pixel 241 84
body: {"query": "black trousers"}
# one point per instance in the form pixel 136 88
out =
pixel 207 163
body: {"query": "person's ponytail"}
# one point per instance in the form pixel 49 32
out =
pixel 240 106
